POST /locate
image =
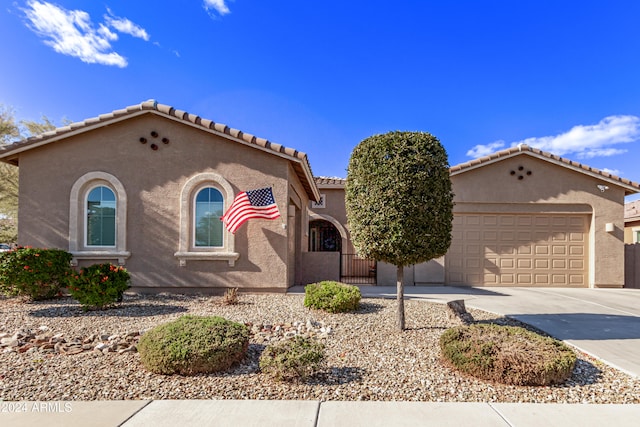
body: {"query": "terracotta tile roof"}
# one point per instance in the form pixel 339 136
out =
pixel 330 181
pixel 301 164
pixel 630 186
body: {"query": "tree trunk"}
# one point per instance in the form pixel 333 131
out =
pixel 400 296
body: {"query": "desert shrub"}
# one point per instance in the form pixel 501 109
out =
pixel 192 345
pixel 230 296
pixel 294 359
pixel 507 354
pixel 99 285
pixel 333 297
pixel 33 272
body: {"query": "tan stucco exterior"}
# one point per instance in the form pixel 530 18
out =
pixel 551 188
pixel 155 159
pixel 632 222
pixel 266 252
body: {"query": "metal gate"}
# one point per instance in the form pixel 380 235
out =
pixel 357 271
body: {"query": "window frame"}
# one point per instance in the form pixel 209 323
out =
pixel 86 217
pixel 78 246
pixel 187 251
pixel 196 192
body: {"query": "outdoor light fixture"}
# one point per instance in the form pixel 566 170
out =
pixel 602 188
pixel 609 228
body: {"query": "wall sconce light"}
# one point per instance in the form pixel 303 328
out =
pixel 609 228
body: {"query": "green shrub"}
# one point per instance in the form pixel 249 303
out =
pixel 295 359
pixel 333 297
pixel 507 354
pixel 192 345
pixel 36 273
pixel 99 285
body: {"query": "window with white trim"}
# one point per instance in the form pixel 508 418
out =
pixel 98 218
pixel 203 237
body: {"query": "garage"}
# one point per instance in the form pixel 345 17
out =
pixel 497 249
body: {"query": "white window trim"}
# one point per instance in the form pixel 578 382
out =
pixel 634 232
pixel 77 219
pixel 186 249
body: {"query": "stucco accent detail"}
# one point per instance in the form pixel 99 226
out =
pixel 629 186
pixel 77 226
pixel 185 248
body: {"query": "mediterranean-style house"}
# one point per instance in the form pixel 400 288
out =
pixel 145 186
pixel 632 222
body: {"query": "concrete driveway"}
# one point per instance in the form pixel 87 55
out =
pixel 604 323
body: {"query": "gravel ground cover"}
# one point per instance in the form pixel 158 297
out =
pixel 367 359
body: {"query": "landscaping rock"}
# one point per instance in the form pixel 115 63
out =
pixel 458 312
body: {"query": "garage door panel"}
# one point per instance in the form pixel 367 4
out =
pixel 524 250
pixel 541 279
pixel 490 220
pixel 541 264
pixel 519 250
pixel 507 220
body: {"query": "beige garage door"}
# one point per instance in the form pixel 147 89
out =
pixel 518 250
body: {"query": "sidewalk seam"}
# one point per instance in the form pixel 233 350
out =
pixel 315 424
pixel 134 414
pixel 500 414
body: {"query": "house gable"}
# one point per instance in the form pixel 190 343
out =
pixel 629 186
pixel 299 160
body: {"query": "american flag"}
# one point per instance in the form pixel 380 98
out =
pixel 248 205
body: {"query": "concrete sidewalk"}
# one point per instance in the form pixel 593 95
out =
pixel 285 413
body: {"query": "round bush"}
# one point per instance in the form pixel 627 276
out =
pixel 99 285
pixel 192 345
pixel 333 297
pixel 507 354
pixel 292 360
pixel 33 272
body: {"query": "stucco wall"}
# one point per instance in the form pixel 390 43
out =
pixel 318 266
pixel 550 188
pixel 153 181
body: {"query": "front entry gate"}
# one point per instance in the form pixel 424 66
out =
pixel 357 271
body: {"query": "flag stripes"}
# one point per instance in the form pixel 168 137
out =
pixel 249 205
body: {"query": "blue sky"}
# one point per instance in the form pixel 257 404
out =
pixel 321 76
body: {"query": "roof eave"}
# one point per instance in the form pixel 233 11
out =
pixel 11 154
pixel 629 186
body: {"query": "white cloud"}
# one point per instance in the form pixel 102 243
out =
pixel 72 33
pixel 485 150
pixel 584 141
pixel 125 26
pixel 217 5
pixel 615 172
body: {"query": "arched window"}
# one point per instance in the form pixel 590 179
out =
pixel 203 200
pixel 100 223
pixel 209 207
pixel 98 219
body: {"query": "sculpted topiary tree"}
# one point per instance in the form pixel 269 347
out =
pixel 399 201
